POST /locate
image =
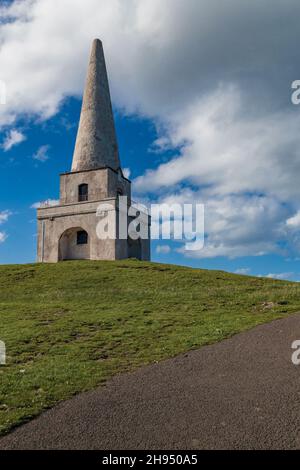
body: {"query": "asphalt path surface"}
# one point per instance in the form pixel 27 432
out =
pixel 241 393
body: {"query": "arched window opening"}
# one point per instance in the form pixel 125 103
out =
pixel 83 192
pixel 82 237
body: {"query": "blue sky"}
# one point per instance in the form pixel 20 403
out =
pixel 203 115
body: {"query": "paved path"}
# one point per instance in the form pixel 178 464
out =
pixel 242 393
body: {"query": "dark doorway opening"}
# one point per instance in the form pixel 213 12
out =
pixel 82 237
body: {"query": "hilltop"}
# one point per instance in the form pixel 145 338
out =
pixel 69 327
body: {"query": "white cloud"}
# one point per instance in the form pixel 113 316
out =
pixel 246 170
pixel 126 172
pixel 294 222
pixel 163 249
pixel 13 138
pixel 175 51
pixel 279 276
pixel 42 154
pixel 228 151
pixel 4 215
pixel 47 203
pixel 243 271
pixel 237 225
pixel 3 237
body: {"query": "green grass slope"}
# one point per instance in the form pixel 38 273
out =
pixel 71 326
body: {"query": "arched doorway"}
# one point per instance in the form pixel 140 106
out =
pixel 74 243
pixel 134 248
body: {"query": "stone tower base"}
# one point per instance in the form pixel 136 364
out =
pixel 69 230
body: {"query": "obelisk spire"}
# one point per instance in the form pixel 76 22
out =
pixel 96 143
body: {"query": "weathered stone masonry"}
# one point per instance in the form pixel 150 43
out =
pixel 68 230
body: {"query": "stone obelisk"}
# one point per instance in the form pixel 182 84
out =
pixel 92 189
pixel 96 143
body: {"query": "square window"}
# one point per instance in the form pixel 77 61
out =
pixel 83 192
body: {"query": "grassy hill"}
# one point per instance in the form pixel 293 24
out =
pixel 70 326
